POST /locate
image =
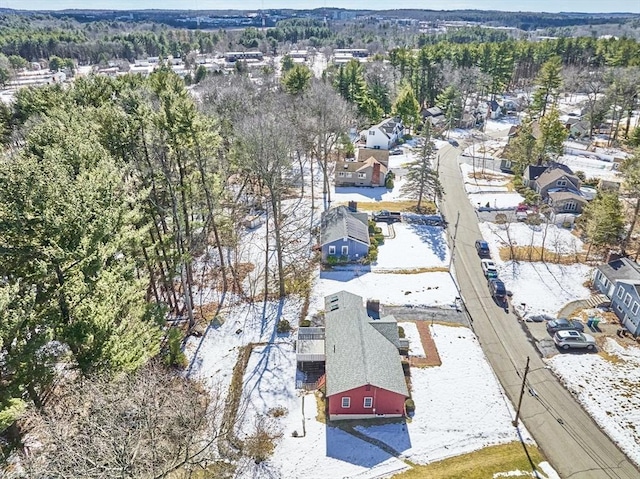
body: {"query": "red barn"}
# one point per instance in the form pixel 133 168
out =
pixel 364 376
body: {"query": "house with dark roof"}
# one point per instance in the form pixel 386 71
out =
pixel 363 371
pixel 619 280
pixel 344 234
pixel 369 172
pixel 385 134
pixel 560 188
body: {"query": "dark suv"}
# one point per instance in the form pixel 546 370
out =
pixel 564 324
pixel 482 247
pixel 498 291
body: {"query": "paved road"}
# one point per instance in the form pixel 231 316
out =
pixel 569 438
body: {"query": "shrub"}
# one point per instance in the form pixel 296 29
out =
pixel 294 434
pixel 409 405
pixel 373 242
pixel 388 184
pixel 401 332
pixel 175 356
pixel 283 326
pixel 332 259
pixel 305 323
pixel 379 239
pixel 407 137
pixel 278 411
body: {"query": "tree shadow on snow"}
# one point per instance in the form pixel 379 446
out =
pixel 374 193
pixel 348 447
pixel 434 237
pixel 345 273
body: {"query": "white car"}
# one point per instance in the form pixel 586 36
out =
pixel 489 268
pixel 574 339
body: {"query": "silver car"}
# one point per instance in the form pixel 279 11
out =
pixel 574 339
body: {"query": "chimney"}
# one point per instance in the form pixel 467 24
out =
pixel 353 206
pixel 373 308
pixel 375 176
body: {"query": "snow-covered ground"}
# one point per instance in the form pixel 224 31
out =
pixel 542 287
pixel 496 200
pixel 344 194
pixel 592 168
pixel 449 420
pixel 414 246
pixel 608 390
pixel 413 335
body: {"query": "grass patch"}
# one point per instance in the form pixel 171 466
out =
pixel 321 403
pixel 537 253
pixel 432 269
pixel 612 358
pixel 407 206
pixel 480 464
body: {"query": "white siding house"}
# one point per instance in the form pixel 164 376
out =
pixel 385 134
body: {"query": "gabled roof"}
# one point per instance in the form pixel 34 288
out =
pixel 534 171
pixel 369 163
pixel 433 111
pixel 388 126
pixel 554 173
pixel 357 354
pixel 622 269
pixel 339 223
pixel 566 195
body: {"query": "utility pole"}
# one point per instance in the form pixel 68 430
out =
pixel 453 245
pixel 524 380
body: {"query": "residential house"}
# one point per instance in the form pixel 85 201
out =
pixel 560 188
pixel 344 233
pixel 531 174
pixel 434 115
pixel 579 129
pixel 619 280
pixel 506 164
pixel 369 172
pixel 491 109
pixel 385 134
pixel 364 376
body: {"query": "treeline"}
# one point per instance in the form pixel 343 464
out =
pixel 36 44
pixel 298 29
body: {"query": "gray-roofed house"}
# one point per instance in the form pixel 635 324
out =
pixel 385 134
pixel 620 281
pixel 344 234
pixel 560 188
pixel 364 376
pixel 369 172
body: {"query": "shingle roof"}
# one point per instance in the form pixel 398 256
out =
pixel 554 173
pixel 369 162
pixel 621 269
pixel 339 223
pixel 356 353
pixel 566 195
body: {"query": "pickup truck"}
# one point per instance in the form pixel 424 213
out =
pixel 387 216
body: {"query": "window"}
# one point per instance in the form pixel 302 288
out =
pixel 620 292
pixel 368 402
pixel 332 250
pixel 372 133
pixel 635 308
pixel 570 206
pixel 627 300
pixel 349 175
pixel 599 276
pixel 362 175
pixel 345 250
pixel 346 402
pixel 561 182
pixel 341 174
pixel 619 307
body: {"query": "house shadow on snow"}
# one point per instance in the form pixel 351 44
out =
pixel 345 273
pixel 434 237
pixel 367 443
pixel 374 193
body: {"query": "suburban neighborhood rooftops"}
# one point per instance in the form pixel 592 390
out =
pixel 357 353
pixel 554 173
pixel 621 269
pixel 340 223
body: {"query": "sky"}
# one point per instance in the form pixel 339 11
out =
pixel 506 5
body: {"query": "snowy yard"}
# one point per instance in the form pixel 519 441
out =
pixel 414 246
pixel 449 420
pixel 460 406
pixel 415 343
pixel 543 287
pixel 496 200
pixel 608 390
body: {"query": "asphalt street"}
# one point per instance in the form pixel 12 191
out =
pixel 569 438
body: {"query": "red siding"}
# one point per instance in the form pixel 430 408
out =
pixel 384 402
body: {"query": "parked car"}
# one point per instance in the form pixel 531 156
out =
pixel 539 318
pixel 497 289
pixel 387 216
pixel 396 151
pixel 489 268
pixel 574 339
pixel 454 143
pixel 482 247
pixel 564 324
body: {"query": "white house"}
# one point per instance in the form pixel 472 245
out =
pixel 385 134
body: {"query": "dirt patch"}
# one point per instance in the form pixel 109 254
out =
pixel 403 206
pixel 429 346
pixel 433 269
